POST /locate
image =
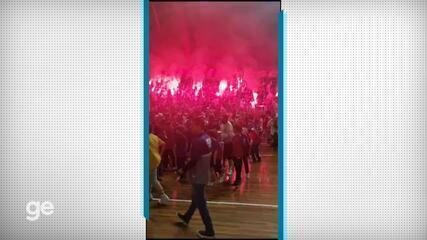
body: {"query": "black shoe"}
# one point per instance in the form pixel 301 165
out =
pixel 206 235
pixel 182 218
pixel 182 179
pixel 236 183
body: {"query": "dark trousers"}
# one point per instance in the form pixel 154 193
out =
pixel 228 152
pixel 180 162
pixel 198 201
pixel 184 170
pixel 255 152
pixel 167 158
pixel 218 166
pixel 238 166
pixel 246 163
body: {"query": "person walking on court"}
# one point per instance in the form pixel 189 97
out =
pixel 238 154
pixel 198 171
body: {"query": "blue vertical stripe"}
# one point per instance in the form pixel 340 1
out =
pixel 144 61
pixel 283 125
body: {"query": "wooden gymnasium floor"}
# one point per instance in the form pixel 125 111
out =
pixel 248 211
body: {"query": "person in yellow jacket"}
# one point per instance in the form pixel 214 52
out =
pixel 156 148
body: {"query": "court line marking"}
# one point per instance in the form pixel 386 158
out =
pixel 225 203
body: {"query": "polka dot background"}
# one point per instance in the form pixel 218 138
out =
pixel 356 119
pixel 70 118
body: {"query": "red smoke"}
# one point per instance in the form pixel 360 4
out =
pixel 207 41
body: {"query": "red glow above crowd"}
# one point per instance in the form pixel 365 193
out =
pixel 165 85
pixel 207 43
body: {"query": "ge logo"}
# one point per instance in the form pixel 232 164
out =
pixel 34 209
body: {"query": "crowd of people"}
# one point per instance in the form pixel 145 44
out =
pixel 204 135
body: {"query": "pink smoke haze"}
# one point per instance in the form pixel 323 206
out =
pixel 212 42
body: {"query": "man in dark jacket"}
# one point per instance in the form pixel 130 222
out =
pixel 198 170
